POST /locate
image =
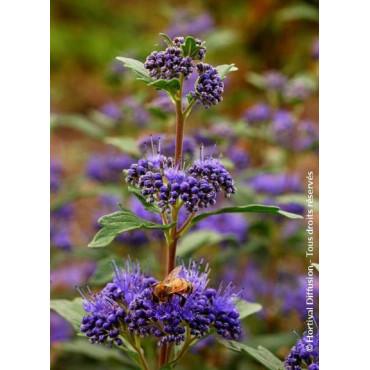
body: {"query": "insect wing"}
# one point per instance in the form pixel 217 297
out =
pixel 173 274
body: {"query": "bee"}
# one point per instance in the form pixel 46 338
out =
pixel 170 286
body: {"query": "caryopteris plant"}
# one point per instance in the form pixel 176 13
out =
pixel 177 311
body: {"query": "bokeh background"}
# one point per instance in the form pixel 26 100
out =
pixel 266 130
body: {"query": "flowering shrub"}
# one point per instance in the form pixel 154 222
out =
pixel 171 194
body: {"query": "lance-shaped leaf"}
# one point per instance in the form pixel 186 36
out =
pixel 137 67
pixel 152 207
pixel 171 86
pixel 246 308
pixel 72 311
pixel 251 208
pixel 125 144
pixel 167 39
pixel 121 222
pixel 224 69
pixel 261 354
pixel 201 238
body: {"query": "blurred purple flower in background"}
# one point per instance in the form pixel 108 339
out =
pixel 283 128
pixel 56 171
pixel 307 135
pixel 315 50
pixel 68 276
pixel 233 224
pixel 257 113
pixel 185 24
pixel 276 183
pixel 274 80
pixel 112 111
pixel 107 167
pixel 135 112
pixel 60 226
pixel 60 329
pixel 239 157
pixel 299 88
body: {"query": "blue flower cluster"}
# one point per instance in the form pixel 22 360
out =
pixel 209 86
pixel 168 64
pixel 197 186
pixel 299 354
pixel 126 306
pixel 201 54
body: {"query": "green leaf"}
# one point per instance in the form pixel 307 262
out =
pixel 96 351
pixel 201 238
pixel 261 354
pixel 167 39
pixel 79 123
pixel 103 273
pixel 246 308
pixel 152 207
pixel 171 86
pixel 298 12
pixel 224 69
pixel 316 265
pixel 251 208
pixel 190 47
pixel 137 67
pixel 72 311
pixel 121 222
pixel 125 144
pixel 256 80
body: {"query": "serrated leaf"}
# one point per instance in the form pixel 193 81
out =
pixel 72 311
pixel 224 69
pixel 261 354
pixel 171 86
pixel 167 39
pixel 152 207
pixel 200 238
pixel 96 351
pixel 121 222
pixel 246 308
pixel 251 208
pixel 190 47
pixel 137 67
pixel 125 144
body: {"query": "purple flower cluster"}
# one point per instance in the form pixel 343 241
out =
pixel 126 306
pixel 201 53
pixel 209 86
pixel 257 114
pixel 107 167
pixel 300 355
pixel 298 88
pixel 197 186
pixel 283 128
pixel 168 64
